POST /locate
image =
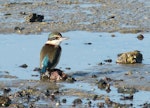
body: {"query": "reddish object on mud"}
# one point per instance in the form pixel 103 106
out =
pixel 54 74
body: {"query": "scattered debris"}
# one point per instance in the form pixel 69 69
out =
pixel 111 104
pixel 4 101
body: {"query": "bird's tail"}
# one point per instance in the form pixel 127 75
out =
pixel 43 70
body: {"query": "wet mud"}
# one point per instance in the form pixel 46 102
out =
pixel 104 83
pixel 69 15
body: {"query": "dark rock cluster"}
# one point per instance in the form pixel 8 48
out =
pixel 33 17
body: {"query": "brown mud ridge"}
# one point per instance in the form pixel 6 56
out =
pixel 50 92
pixel 69 15
pixel 41 94
pixel 65 15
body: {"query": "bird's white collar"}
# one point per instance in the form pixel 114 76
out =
pixel 53 42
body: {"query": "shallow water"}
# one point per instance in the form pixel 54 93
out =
pixel 82 53
pixel 139 97
pixel 76 52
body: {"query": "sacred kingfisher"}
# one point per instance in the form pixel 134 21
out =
pixel 51 51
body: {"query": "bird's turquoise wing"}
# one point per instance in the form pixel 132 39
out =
pixel 45 63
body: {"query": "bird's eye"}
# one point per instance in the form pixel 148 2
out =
pixel 56 38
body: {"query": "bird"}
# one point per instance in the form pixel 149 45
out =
pixel 51 52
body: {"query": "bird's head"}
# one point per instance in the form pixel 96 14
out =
pixel 55 38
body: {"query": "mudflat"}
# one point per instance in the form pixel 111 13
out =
pixel 111 85
pixel 127 16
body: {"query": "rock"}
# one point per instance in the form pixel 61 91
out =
pixel 68 68
pixel 95 97
pixel 33 17
pixel 19 28
pixel 111 17
pixel 146 105
pixel 17 105
pixel 108 60
pixel 64 100
pixel 100 63
pixel 111 104
pixel 113 35
pixel 129 73
pixel 127 90
pixel 140 37
pixel 70 80
pixel 94 76
pixel 4 101
pixel 24 66
pixel 89 43
pixel 101 105
pixel 54 74
pixel 6 90
pixel 89 104
pixel 37 69
pixel 102 84
pixel 130 57
pixel 77 101
pixel 130 97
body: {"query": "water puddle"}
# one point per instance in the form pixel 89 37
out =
pixel 81 53
pixel 83 50
pixel 139 97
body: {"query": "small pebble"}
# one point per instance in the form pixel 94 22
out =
pixel 140 37
pixel 58 104
pixel 24 66
pixel 95 97
pixel 36 69
pixel 68 68
pixel 113 35
pixel 77 101
pixel 108 60
pixel 64 100
pixel 94 76
pixel 89 43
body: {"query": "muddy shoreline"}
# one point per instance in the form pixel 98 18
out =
pixel 65 15
pixel 96 16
